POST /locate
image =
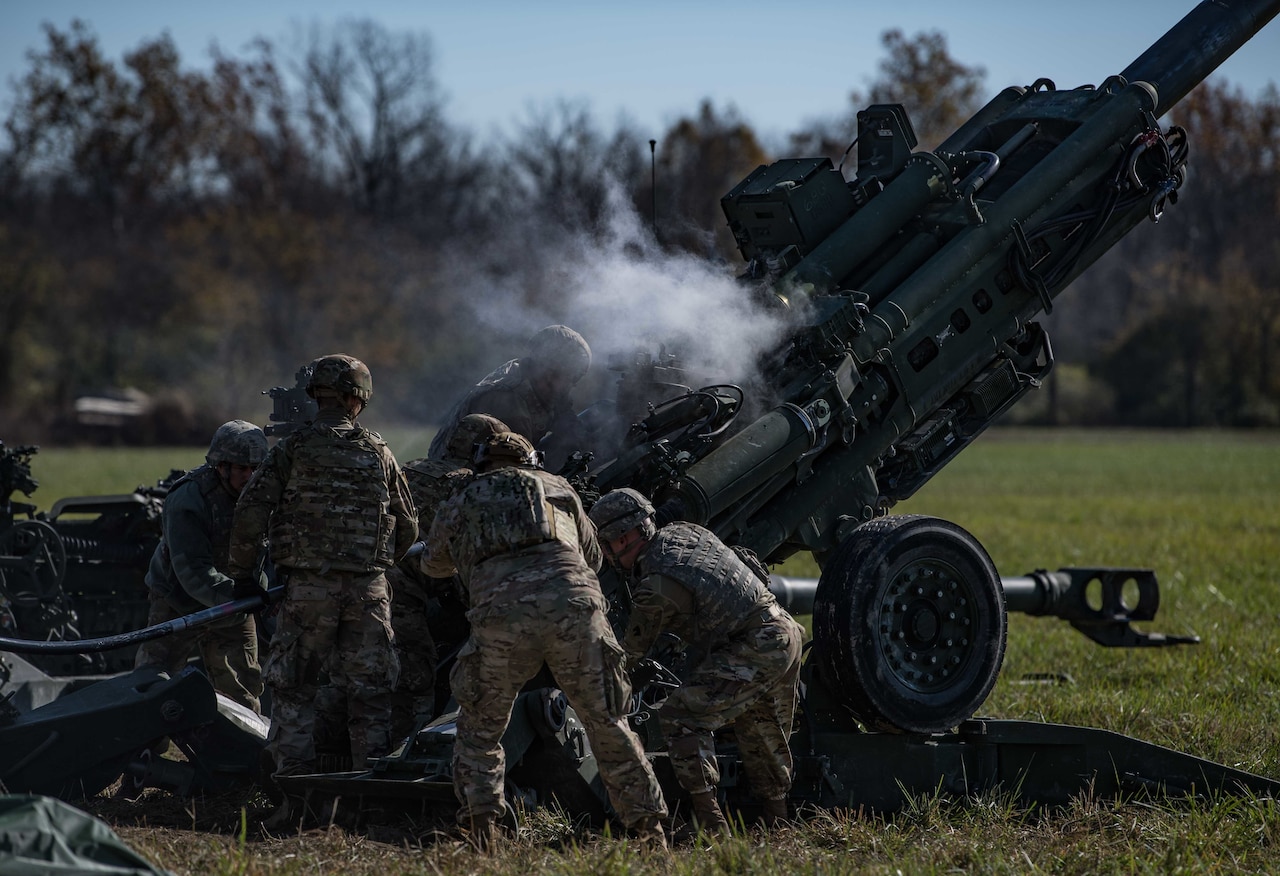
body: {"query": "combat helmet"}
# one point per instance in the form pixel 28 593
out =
pixel 558 348
pixel 504 449
pixel 342 374
pixel 470 431
pixel 619 511
pixel 237 442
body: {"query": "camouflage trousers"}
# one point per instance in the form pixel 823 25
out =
pixel 751 682
pixel 508 646
pixel 228 647
pixel 414 700
pixel 332 629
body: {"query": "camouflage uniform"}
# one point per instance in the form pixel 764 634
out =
pixel 527 555
pixel 187 575
pixel 431 482
pixel 689 583
pixel 415 596
pixel 515 394
pixel 339 513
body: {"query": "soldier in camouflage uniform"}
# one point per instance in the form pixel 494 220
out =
pixel 189 569
pixel 530 394
pixel 339 514
pixel 686 581
pixel 527 556
pixel 431 483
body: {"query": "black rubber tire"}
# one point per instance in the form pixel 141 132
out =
pixel 909 624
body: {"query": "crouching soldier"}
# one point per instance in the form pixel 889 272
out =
pixel 685 581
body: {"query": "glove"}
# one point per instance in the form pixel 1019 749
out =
pixel 649 672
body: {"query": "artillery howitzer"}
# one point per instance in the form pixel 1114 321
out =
pixel 72 602
pixel 912 291
pixel 75 571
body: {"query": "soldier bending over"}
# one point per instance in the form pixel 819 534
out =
pixel 686 581
pixel 527 555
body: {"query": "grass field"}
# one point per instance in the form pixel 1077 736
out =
pixel 1201 509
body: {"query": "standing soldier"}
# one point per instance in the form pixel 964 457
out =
pixel 530 394
pixel 431 483
pixel 189 569
pixel 686 581
pixel 527 555
pixel 339 514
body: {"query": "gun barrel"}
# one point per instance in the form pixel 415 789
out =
pixel 1197 45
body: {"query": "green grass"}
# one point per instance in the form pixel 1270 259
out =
pixel 1201 509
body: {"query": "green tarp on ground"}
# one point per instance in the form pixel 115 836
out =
pixel 41 836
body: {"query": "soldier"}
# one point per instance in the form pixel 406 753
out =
pixel 189 569
pixel 530 394
pixel 339 514
pixel 431 483
pixel 687 582
pixel 527 555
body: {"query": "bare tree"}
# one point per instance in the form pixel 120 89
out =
pixel 937 91
pixel 701 158
pixel 373 102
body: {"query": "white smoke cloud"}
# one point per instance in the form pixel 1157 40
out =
pixel 624 294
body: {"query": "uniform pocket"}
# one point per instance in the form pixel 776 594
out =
pixel 283 668
pixel 386 539
pixel 617 687
pixel 464 680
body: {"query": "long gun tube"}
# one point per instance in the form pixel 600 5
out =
pixel 1217 27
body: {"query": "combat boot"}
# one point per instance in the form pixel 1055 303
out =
pixel 481 831
pixel 648 832
pixel 287 817
pixel 707 814
pixel 775 813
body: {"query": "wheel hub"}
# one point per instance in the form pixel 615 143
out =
pixel 926 625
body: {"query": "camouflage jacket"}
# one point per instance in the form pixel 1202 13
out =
pixel 686 581
pixel 513 532
pixel 431 483
pixel 507 394
pixel 332 497
pixel 189 565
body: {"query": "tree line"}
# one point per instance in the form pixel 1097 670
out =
pixel 200 232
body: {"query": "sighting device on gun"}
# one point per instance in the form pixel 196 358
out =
pixel 76 570
pixel 291 407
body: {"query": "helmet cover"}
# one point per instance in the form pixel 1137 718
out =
pixel 237 442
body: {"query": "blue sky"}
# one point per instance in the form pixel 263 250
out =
pixel 780 64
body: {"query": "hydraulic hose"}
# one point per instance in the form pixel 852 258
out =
pixel 158 631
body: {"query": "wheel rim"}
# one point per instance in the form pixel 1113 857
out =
pixel 926 625
pixel 39 560
pixel 909 624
